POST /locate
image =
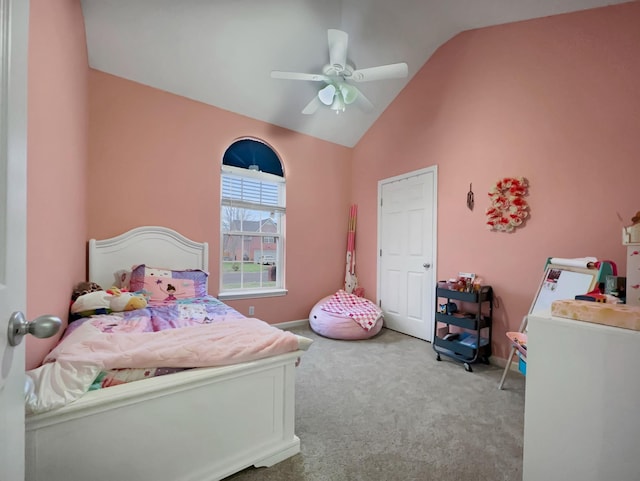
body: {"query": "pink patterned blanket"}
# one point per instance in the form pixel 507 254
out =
pixel 216 344
pixel 104 342
pixel 361 310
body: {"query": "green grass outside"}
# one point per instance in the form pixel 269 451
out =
pixel 249 285
pixel 248 266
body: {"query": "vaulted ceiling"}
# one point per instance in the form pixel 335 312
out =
pixel 221 52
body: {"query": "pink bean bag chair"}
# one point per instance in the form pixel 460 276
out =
pixel 336 320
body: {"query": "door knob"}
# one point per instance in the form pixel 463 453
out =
pixel 41 327
pixel 426 265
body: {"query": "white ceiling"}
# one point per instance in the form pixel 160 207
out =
pixel 221 52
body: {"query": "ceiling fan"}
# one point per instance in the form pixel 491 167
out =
pixel 338 92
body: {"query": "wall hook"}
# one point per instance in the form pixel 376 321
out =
pixel 470 201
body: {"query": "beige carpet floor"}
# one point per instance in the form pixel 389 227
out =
pixel 385 409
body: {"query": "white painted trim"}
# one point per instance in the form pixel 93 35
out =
pixel 231 295
pixel 292 324
pixel 498 361
pixel 254 174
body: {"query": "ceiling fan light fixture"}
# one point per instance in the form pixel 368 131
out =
pixel 338 104
pixel 327 94
pixel 349 93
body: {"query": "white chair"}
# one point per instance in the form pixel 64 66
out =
pixel 518 343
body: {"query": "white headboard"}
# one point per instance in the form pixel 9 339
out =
pixel 151 245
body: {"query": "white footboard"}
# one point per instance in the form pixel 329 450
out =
pixel 202 424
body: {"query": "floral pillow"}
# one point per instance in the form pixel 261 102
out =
pixel 165 285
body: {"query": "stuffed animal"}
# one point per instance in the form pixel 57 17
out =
pixel 103 302
pixel 83 288
pixel 126 301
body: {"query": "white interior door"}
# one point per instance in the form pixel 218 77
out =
pixel 14 24
pixel 407 251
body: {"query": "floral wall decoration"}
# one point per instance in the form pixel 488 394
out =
pixel 508 208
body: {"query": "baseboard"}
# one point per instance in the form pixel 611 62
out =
pixel 285 450
pixel 498 361
pixel 292 324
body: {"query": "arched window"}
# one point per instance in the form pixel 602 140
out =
pixel 252 212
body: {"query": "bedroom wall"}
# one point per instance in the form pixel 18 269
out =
pixel 555 100
pixel 154 159
pixel 57 162
pixel 552 99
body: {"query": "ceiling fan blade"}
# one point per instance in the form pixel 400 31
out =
pixel 338 41
pixel 361 101
pixel 383 72
pixel 298 76
pixel 312 106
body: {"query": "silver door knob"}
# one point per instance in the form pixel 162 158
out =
pixel 426 265
pixel 41 327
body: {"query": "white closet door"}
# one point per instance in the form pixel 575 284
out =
pixel 407 252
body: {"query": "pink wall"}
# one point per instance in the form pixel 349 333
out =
pixel 555 100
pixel 154 159
pixel 57 161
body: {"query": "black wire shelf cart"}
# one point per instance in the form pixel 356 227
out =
pixel 471 316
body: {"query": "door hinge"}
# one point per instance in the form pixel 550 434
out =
pixel 381 201
pixel 380 303
pixel 380 252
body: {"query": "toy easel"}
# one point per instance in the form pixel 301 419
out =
pixel 559 282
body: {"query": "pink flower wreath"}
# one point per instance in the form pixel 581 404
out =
pixel 508 207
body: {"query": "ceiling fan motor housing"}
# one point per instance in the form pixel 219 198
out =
pixel 345 71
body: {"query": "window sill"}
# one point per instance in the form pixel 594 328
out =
pixel 229 296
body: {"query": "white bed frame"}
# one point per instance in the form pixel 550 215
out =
pixel 201 424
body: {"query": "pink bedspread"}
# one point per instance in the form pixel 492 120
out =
pixel 217 344
pixel 107 342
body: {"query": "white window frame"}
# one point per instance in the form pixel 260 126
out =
pixel 254 292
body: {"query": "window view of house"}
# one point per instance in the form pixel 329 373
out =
pixel 252 218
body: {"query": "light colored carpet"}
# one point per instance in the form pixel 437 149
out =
pixel 385 409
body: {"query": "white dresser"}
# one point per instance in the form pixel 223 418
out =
pixel 582 404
